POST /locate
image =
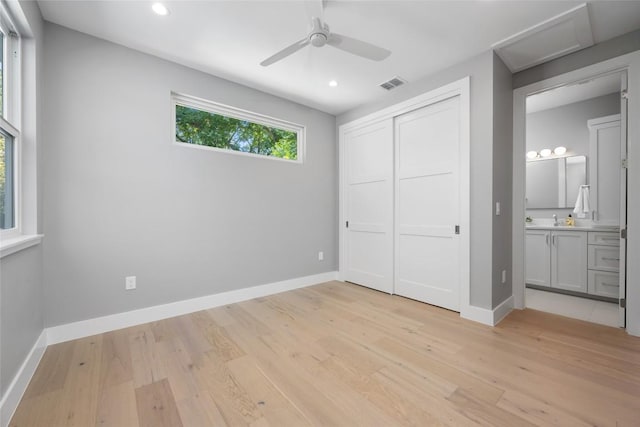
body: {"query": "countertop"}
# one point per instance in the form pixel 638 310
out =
pixel 611 228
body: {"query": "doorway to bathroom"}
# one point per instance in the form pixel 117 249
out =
pixel 575 193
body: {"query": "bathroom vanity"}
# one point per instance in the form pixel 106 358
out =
pixel 583 260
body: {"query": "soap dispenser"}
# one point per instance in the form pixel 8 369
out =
pixel 569 221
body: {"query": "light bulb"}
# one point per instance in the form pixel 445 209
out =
pixel 333 83
pixel 545 152
pixel 532 154
pixel 559 151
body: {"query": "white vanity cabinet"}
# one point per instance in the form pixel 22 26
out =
pixel 538 263
pixel 557 258
pixel 604 264
pixel 574 260
pixel 569 260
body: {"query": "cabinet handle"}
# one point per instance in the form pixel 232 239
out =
pixel 610 259
pixel 553 240
pixel 609 284
pixel 610 239
pixel 547 239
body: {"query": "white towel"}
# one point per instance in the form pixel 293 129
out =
pixel 583 206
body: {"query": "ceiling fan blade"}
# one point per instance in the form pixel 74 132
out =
pixel 285 52
pixel 358 47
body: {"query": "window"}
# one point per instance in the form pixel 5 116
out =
pixel 206 124
pixel 9 134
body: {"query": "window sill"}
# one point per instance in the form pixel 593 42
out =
pixel 17 244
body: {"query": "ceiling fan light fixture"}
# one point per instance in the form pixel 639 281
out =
pixel 318 39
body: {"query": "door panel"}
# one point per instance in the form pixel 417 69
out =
pixel 368 154
pixel 569 260
pixel 428 204
pixel 538 257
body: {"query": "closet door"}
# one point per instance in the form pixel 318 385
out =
pixel 368 205
pixel 428 204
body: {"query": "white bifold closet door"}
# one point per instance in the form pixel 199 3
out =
pixel 368 198
pixel 427 186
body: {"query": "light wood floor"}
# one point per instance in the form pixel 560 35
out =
pixel 339 354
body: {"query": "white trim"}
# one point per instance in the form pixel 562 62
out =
pixel 98 325
pixel 502 310
pixel 240 114
pixel 486 316
pixel 16 244
pixel 459 88
pixel 630 63
pixel 19 384
pixel 478 314
pixel 614 119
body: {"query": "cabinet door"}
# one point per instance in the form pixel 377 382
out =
pixel 569 260
pixel 537 268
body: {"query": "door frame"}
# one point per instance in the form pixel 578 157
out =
pixel 631 64
pixel 459 88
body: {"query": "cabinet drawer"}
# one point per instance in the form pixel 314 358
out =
pixel 604 283
pixel 604 238
pixel 605 258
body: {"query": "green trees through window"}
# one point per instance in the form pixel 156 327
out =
pixel 199 127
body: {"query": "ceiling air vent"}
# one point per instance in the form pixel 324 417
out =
pixel 393 83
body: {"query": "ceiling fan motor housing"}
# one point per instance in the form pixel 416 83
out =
pixel 318 39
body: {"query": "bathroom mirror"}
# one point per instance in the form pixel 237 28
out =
pixel 554 183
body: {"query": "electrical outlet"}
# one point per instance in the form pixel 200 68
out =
pixel 320 256
pixel 504 276
pixel 130 283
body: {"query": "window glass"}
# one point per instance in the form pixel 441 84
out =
pixel 7 212
pixel 198 127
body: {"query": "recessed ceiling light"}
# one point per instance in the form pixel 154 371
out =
pixel 333 83
pixel 160 9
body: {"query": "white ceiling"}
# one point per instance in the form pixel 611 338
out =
pixel 229 39
pixel 570 94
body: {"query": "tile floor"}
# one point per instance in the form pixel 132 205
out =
pixel 604 313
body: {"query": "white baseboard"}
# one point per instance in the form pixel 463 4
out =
pixel 477 314
pixel 18 386
pixel 502 310
pixel 486 316
pixel 98 325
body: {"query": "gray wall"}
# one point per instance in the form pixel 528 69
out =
pixel 21 295
pixel 502 188
pixel 121 199
pixel 21 316
pixel 617 46
pixel 480 69
pixel 567 126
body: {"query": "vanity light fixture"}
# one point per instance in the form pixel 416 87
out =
pixel 545 152
pixel 160 9
pixel 559 151
pixel 532 154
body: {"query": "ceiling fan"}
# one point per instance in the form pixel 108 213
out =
pixel 320 36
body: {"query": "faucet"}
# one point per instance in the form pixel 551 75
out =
pixel 555 220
